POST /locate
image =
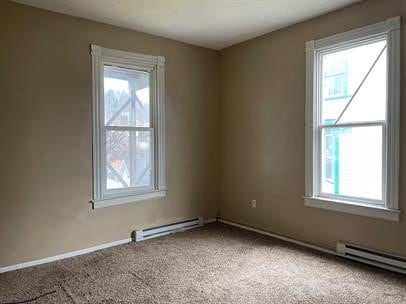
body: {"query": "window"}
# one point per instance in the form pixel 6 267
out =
pixel 128 127
pixel 335 77
pixel 352 121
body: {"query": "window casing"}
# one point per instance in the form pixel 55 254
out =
pixel 352 121
pixel 128 127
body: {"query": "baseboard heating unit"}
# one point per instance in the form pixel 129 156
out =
pixel 372 257
pixel 145 234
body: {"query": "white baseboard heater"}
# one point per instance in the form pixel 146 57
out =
pixel 372 257
pixel 145 234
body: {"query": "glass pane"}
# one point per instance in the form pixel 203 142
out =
pixel 370 102
pixel 352 162
pixel 128 156
pixel 126 97
pixel 343 72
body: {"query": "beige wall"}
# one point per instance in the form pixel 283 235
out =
pixel 45 122
pixel 263 101
pixel 239 112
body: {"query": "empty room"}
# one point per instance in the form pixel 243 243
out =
pixel 203 151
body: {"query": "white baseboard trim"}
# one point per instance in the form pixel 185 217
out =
pixel 209 220
pixel 277 236
pixel 63 256
pixel 75 253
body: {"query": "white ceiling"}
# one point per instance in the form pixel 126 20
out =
pixel 213 24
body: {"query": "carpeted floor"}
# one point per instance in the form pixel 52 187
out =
pixel 213 264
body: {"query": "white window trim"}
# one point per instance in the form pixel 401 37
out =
pixel 390 28
pixel 155 66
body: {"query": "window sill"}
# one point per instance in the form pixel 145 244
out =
pixel 353 208
pixel 101 203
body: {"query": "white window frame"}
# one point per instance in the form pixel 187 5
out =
pixel 390 211
pixel 154 65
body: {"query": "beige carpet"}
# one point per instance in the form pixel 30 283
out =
pixel 213 264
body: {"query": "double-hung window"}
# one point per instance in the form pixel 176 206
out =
pixel 352 121
pixel 128 127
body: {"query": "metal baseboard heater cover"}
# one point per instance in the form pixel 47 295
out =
pixel 145 234
pixel 372 257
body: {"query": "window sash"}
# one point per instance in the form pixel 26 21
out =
pixel 319 160
pixel 319 126
pixel 126 68
pixel 132 190
pixel 103 172
pixel 354 124
pixel 127 128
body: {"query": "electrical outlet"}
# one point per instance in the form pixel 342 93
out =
pixel 254 204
